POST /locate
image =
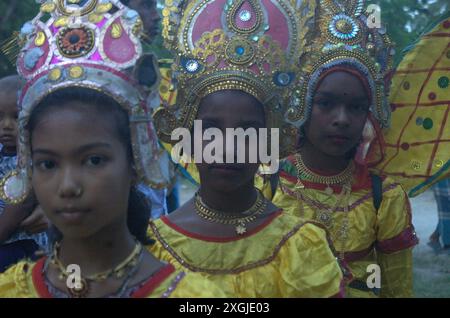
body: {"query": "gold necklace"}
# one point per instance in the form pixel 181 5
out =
pixel 303 172
pixel 238 219
pixel 119 271
pixel 324 214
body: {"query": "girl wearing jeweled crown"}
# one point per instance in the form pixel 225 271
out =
pixel 85 141
pixel 340 106
pixel 234 69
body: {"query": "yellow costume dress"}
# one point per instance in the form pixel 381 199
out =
pixel 27 280
pixel 280 258
pixel 362 236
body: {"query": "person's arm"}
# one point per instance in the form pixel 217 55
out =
pixel 395 239
pixel 11 217
pixel 36 223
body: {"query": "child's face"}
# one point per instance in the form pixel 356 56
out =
pixel 81 173
pixel 222 110
pixel 339 113
pixel 8 121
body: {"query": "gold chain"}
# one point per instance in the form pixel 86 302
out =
pixel 239 219
pixel 303 172
pixel 118 271
pixel 323 214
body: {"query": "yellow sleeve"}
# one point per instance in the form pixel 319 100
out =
pixel 195 285
pixel 14 281
pixel 181 284
pixel 317 272
pixel 395 239
pixel 7 283
pixel 262 183
pixel 396 274
pixel 395 231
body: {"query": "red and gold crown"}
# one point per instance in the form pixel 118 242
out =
pixel 245 45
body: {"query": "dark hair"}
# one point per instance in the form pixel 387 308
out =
pixel 139 209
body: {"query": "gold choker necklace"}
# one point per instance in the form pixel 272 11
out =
pixel 238 219
pixel 125 267
pixel 304 173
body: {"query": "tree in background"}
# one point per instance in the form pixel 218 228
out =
pixel 13 14
pixel 406 21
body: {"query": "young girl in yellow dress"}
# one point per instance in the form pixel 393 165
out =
pixel 234 68
pixel 85 141
pixel 340 106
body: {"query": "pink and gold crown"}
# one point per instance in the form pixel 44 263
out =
pixel 93 44
pixel 246 45
pixel 98 32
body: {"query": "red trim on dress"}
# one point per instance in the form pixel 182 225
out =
pixel 406 239
pixel 356 256
pixel 146 289
pixel 201 237
pixel 39 280
pixel 154 281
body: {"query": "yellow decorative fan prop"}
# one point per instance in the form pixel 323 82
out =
pixel 417 149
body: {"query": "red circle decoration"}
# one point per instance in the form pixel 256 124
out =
pixel 405 146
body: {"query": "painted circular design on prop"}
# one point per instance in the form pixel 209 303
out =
pixel 443 82
pixel 427 123
pixel 405 146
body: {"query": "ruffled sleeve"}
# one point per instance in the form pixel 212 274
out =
pixel 14 282
pixel 316 273
pixel 395 239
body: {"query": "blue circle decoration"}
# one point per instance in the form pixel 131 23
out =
pixel 191 65
pixel 283 79
pixel 245 15
pixel 343 27
pixel 240 50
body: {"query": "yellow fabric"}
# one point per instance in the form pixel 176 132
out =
pixel 396 274
pixel 284 259
pixel 417 150
pixel 18 283
pixel 366 228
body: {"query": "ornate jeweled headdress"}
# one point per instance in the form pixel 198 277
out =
pixel 344 37
pixel 92 44
pixel 244 45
